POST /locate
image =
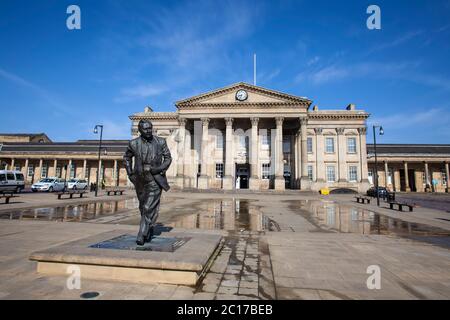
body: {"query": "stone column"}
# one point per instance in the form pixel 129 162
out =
pixel 320 164
pixel 279 165
pixel 427 175
pixel 12 164
pixel 84 168
pixel 386 173
pixel 69 167
pixel 305 184
pixel 55 165
pixel 407 188
pixel 116 178
pixel 342 163
pixel 448 178
pixel 100 174
pixel 297 148
pixel 203 179
pixel 363 156
pixel 39 170
pixel 181 151
pixel 25 174
pixel 228 179
pixel 254 182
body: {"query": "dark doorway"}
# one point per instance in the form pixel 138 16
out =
pixel 242 175
pixel 411 180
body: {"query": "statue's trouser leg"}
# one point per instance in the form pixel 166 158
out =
pixel 151 195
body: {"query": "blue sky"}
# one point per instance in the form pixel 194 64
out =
pixel 130 54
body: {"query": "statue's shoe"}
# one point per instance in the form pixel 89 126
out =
pixel 140 241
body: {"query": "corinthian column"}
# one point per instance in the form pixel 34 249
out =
pixel 254 178
pixel 203 179
pixel 228 181
pixel 180 151
pixel 279 165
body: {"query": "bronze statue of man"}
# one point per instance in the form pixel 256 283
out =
pixel 151 160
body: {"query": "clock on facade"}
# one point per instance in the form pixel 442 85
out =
pixel 241 95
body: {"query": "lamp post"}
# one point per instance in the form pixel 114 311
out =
pixel 99 152
pixel 376 162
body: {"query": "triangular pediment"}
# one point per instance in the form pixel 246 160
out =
pixel 255 95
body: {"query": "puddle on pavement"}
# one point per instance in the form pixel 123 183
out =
pixel 227 214
pixel 79 212
pixel 333 217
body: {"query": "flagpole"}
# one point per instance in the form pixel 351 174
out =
pixel 254 69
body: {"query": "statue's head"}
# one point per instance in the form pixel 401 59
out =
pixel 145 128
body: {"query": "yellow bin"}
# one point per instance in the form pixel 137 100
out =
pixel 325 191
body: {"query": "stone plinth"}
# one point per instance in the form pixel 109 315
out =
pixel 173 258
pixel 279 183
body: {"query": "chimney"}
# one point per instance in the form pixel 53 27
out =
pixel 351 107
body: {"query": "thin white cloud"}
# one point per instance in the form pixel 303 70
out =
pixel 139 92
pixel 36 89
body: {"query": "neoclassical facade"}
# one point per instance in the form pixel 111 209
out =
pixel 248 137
pixel 244 137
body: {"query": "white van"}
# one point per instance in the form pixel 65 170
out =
pixel 12 181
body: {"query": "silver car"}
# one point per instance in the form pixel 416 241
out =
pixel 77 184
pixel 49 184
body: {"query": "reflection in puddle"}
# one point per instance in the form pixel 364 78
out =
pixel 230 214
pixel 79 212
pixel 328 215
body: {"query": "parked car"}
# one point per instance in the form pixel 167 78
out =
pixel 12 181
pixel 382 192
pixel 77 184
pixel 49 184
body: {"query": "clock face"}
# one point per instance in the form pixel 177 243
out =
pixel 241 95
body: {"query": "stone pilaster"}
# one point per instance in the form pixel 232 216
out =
pixel 254 182
pixel 342 161
pixel 181 153
pixel 38 173
pixel 116 173
pixel 305 183
pixel 386 174
pixel 320 164
pixel 228 179
pixel 203 179
pixel 55 165
pixel 279 164
pixel 448 177
pixel 12 164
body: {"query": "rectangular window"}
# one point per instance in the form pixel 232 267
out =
pixel 309 145
pixel 219 170
pixel 44 171
pixel 265 170
pixel 424 181
pixel 243 142
pixel 30 172
pixel 87 172
pixel 352 173
pixel 219 141
pixel 17 167
pixel 331 174
pixel 370 176
pixel 265 139
pixel 72 170
pixel 19 177
pixel 310 172
pixel 58 172
pixel 329 145
pixel 390 177
pixel 351 145
pixel 444 177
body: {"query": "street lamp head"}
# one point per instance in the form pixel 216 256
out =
pixel 381 131
pixel 95 130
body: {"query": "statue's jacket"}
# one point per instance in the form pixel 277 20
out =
pixel 157 156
